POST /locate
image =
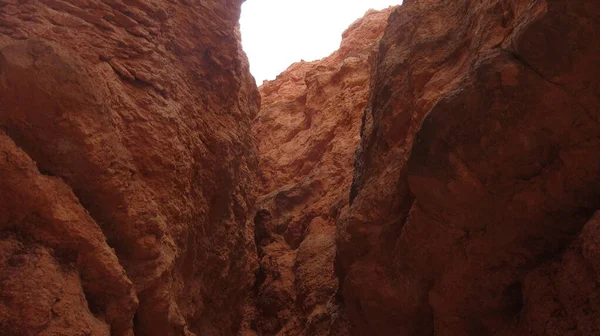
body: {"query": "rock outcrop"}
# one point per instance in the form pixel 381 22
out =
pixel 127 168
pixel 478 176
pixel 437 175
pixel 307 131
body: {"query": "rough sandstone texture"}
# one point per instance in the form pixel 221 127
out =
pixel 127 168
pixel 307 131
pixel 128 173
pixel 478 176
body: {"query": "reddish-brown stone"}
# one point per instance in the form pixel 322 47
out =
pixel 307 131
pixel 476 173
pixel 126 168
pixel 128 173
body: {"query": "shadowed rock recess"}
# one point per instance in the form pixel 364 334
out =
pixel 439 174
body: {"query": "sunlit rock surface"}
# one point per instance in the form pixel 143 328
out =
pixel 307 131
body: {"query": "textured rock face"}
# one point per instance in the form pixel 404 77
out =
pixel 307 132
pixel 126 168
pixel 128 173
pixel 477 176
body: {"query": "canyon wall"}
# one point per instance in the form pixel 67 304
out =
pixel 307 131
pixel 477 178
pixel 437 175
pixel 127 168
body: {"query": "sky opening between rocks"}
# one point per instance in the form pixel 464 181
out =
pixel 277 33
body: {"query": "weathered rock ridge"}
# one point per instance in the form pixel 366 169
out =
pixel 127 168
pixel 307 131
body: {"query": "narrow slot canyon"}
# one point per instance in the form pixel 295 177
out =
pixel 307 131
pixel 438 174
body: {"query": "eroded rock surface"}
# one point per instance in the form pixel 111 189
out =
pixel 477 173
pixel 437 175
pixel 307 131
pixel 127 168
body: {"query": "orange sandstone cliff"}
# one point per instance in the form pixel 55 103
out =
pixel 127 169
pixel 307 131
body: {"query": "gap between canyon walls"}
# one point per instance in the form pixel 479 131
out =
pixel 307 131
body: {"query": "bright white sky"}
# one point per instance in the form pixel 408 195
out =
pixel 277 33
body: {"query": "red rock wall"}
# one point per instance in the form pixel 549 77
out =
pixel 126 168
pixel 477 178
pixel 128 173
pixel 307 131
